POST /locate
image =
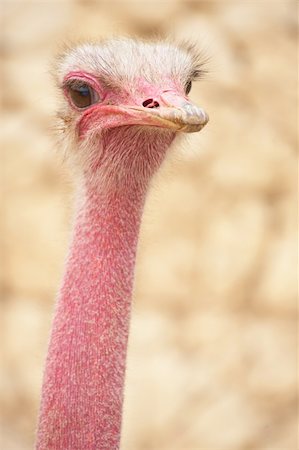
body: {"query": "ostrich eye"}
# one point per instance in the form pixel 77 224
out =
pixel 188 87
pixel 82 95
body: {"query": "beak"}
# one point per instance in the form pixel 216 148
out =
pixel 174 113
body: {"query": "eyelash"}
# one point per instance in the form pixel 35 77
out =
pixel 195 75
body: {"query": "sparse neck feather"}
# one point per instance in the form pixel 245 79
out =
pixel 82 392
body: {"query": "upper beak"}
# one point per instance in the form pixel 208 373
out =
pixel 174 113
pixel 188 117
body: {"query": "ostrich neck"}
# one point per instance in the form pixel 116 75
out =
pixel 82 392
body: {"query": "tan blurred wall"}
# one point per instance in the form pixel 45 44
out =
pixel 212 358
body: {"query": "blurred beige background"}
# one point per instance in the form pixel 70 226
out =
pixel 212 357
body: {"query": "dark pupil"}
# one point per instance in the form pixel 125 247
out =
pixel 188 87
pixel 81 95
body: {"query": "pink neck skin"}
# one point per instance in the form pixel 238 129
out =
pixel 83 385
pixel 82 394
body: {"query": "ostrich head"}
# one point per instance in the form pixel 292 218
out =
pixel 123 104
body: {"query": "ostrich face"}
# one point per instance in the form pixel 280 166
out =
pixel 122 90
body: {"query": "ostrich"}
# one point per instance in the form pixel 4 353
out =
pixel 123 104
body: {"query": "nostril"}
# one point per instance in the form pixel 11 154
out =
pixel 147 102
pixel 150 103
